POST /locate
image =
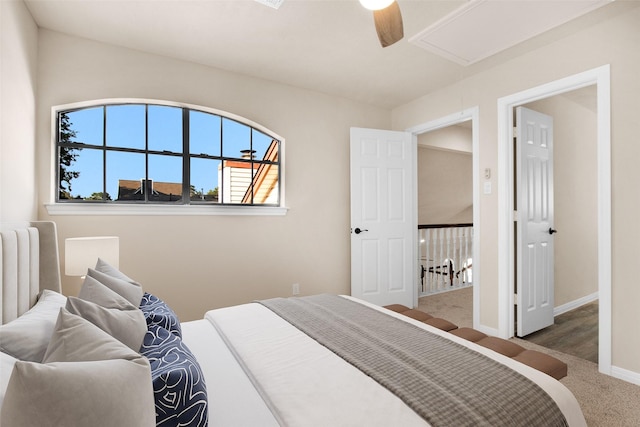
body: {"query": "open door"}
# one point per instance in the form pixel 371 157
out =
pixel 383 234
pixel 534 183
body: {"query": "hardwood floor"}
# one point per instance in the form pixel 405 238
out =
pixel 574 332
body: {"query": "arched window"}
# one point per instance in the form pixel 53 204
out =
pixel 156 153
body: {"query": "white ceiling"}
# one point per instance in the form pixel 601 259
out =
pixel 328 46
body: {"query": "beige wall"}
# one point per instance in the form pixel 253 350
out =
pixel 19 47
pixel 197 263
pixel 445 186
pixel 575 196
pixel 611 39
pixel 458 138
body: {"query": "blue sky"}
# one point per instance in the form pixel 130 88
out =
pixel 125 127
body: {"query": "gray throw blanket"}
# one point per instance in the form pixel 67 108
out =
pixel 444 382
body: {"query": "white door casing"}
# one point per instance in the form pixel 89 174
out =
pixel 535 248
pixel 383 232
pixel 601 77
pixel 472 114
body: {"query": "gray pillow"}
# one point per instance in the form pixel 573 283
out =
pixel 104 267
pixel 27 337
pixel 133 293
pixel 126 325
pixel 96 292
pixel 88 379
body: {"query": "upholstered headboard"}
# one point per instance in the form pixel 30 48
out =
pixel 30 263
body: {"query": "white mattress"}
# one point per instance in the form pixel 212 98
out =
pixel 260 370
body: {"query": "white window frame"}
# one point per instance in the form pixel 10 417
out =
pixel 54 208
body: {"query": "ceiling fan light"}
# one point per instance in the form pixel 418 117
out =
pixel 376 4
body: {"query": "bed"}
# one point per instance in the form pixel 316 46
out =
pixel 345 362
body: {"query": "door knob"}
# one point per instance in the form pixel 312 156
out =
pixel 359 230
pixel 551 230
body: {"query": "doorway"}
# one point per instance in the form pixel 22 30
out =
pixel 365 144
pixel 574 219
pixel 445 208
pixel 470 115
pixel 600 78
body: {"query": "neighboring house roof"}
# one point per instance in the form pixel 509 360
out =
pixel 162 191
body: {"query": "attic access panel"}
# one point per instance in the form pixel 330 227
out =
pixel 482 28
pixel 271 3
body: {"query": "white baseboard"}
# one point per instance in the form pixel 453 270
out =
pixel 574 304
pixel 486 330
pixel 625 375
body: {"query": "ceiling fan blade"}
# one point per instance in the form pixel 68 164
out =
pixel 389 24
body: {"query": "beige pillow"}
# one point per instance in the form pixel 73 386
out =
pixel 133 293
pixel 6 367
pixel 127 325
pixel 104 267
pixel 96 292
pixel 88 379
pixel 27 337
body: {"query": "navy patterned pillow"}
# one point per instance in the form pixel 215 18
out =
pixel 157 312
pixel 179 388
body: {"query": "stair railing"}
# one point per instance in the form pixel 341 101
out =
pixel 446 257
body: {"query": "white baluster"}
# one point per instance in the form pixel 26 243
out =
pixel 447 260
pixel 455 255
pixel 428 257
pixel 441 254
pixel 422 258
pixel 440 249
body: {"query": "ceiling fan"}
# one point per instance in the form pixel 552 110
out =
pixel 388 20
pixel 386 16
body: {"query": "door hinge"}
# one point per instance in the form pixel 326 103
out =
pixel 515 132
pixel 515 299
pixel 515 216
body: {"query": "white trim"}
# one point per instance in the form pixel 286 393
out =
pixel 472 114
pixel 152 209
pixel 601 77
pixel 414 217
pixel 116 101
pixel 52 206
pixel 625 375
pixel 572 305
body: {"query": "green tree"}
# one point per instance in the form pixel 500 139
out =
pixel 99 196
pixel 68 155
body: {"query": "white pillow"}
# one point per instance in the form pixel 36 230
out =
pixel 127 325
pixel 88 379
pixel 104 267
pixel 27 337
pixel 133 293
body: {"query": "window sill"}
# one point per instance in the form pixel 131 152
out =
pixel 160 210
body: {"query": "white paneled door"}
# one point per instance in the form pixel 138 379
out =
pixel 534 160
pixel 383 229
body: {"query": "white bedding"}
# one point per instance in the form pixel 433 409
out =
pixel 271 365
pixel 233 400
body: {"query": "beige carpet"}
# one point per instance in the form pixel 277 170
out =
pixel 605 401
